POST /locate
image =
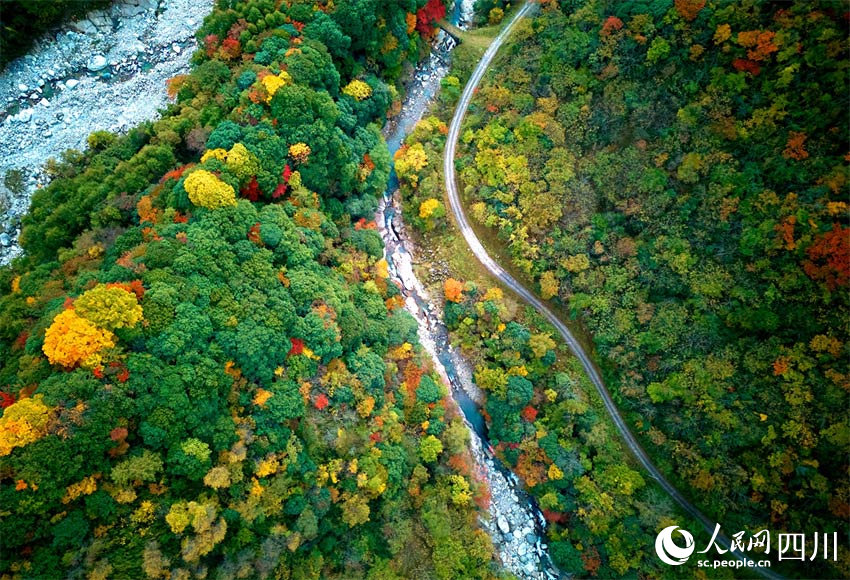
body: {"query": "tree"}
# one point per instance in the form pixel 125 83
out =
pixel 109 307
pixel 453 290
pixel 72 340
pixel 430 448
pixel 207 190
pixel 357 90
pixel 23 422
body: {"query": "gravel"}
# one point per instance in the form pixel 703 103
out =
pixel 104 72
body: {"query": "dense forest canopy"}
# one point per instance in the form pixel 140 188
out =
pixel 675 174
pixel 205 370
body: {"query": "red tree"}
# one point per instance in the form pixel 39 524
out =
pixel 428 15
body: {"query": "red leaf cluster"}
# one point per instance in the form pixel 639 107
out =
pixel 745 65
pixel 6 399
pixel 612 24
pixel 321 402
pixel 252 190
pixel 428 15
pixel 297 346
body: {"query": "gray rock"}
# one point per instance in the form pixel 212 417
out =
pixel 176 48
pixel 24 116
pixel 504 526
pixel 5 240
pixel 84 27
pixel 531 539
pixel 96 63
pixel 44 103
pixel 71 83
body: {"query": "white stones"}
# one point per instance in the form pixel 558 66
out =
pixel 176 48
pixel 503 524
pixel 24 116
pixel 23 88
pixel 71 83
pixel 44 103
pixel 96 63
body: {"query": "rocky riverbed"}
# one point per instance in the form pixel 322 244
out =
pixel 515 523
pixel 104 72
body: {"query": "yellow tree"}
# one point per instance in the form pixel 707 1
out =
pixel 72 340
pixel 22 423
pixel 207 190
pixel 109 307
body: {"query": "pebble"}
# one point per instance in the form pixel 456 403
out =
pixel 96 63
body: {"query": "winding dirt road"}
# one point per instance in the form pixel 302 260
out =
pixel 496 270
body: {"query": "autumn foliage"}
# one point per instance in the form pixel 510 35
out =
pixel 72 340
pixel 453 290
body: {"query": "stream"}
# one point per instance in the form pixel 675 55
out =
pixel 516 523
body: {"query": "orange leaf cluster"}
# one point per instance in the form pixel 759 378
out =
pixel 689 9
pixel 72 340
pixel 453 290
pixel 795 148
pixel 829 258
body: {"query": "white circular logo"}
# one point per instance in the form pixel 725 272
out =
pixel 667 549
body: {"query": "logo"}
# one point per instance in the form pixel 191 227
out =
pixel 668 551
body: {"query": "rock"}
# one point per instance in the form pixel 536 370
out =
pixel 176 48
pixel 96 63
pixel 84 27
pixel 44 103
pixel 71 83
pixel 23 88
pixel 24 116
pixel 5 240
pixel 504 526
pixel 531 539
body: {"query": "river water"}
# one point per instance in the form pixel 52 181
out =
pixel 516 524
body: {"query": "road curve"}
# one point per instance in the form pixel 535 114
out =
pixel 496 270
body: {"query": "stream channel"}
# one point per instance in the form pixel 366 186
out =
pixel 516 523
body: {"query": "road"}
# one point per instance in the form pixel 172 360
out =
pixel 496 270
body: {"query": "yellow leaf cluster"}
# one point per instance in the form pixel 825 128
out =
pixel 267 466
pixel 241 163
pixel 262 396
pixel 300 152
pixel 85 487
pixel 73 340
pixel 358 90
pixel 207 190
pixel 220 154
pixel 273 84
pixel 109 308
pixel 555 473
pixel 22 423
pixel 427 207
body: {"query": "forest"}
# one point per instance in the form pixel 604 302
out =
pixel 205 370
pixel 673 177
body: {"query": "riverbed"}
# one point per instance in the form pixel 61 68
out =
pixel 103 72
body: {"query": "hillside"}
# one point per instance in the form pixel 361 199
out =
pixel 205 371
pixel 673 174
